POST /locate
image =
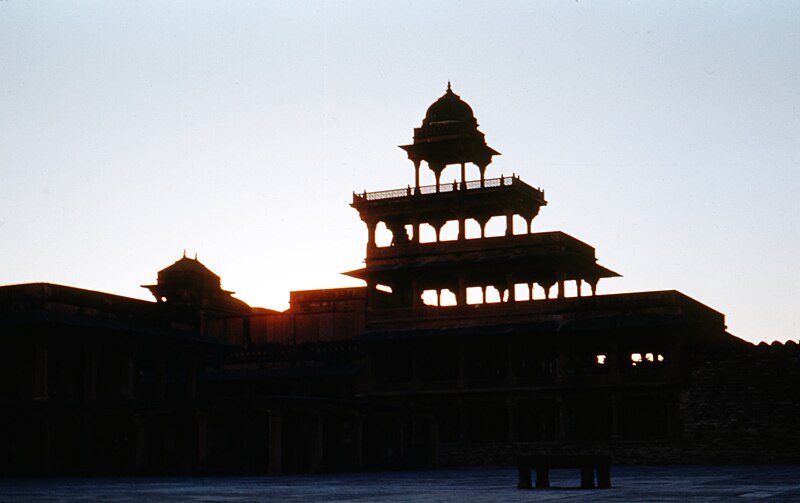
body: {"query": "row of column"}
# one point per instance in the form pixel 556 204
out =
pixel 507 290
pixel 43 364
pixel 400 234
pixel 437 172
pixel 149 442
pixel 556 418
pixel 449 367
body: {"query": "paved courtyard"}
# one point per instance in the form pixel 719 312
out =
pixel 498 484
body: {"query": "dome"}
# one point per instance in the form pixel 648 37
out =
pixel 449 108
pixel 187 269
pixel 190 284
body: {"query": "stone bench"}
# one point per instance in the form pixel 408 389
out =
pixel 543 464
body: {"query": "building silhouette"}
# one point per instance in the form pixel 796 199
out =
pixel 419 368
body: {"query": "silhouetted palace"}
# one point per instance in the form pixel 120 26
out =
pixel 460 351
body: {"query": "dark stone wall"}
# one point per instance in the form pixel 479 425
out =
pixel 743 406
pixel 740 405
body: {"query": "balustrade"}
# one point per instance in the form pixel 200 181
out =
pixel 489 183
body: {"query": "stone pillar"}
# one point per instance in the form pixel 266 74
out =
pixel 529 221
pixel 511 362
pixel 51 447
pixel 462 422
pixel 90 374
pixel 462 228
pixel 433 444
pixel 275 443
pixel 358 441
pixel 578 284
pixel 140 454
pixel 561 423
pixel 161 379
pixel 416 299
pixel 673 416
pixel 87 455
pixel 129 383
pixel 400 439
pixel 524 476
pixel 513 419
pixel 371 234
pixel 587 477
pixel 416 225
pixel 463 175
pixel 415 371
pixel 318 447
pixel 250 452
pixel 509 224
pixel 202 444
pixel 463 367
pixel 512 293
pixel 461 291
pixel 561 363
pixel 40 368
pixel 416 175
pixel 191 378
pixel 561 292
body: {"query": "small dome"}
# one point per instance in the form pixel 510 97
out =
pixel 186 264
pixel 450 108
pixel 188 283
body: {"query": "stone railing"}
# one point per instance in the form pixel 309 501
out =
pixel 489 183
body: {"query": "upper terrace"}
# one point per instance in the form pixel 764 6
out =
pixel 472 185
pixel 458 201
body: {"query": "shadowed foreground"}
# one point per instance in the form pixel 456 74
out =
pixel 652 484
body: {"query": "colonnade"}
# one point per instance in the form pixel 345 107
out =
pixel 508 292
pixel 400 234
pixel 418 285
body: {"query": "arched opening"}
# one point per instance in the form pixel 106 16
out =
pixel 426 176
pixel 472 229
pixel 570 289
pixel 447 298
pixel 429 297
pixel 383 236
pixel 493 295
pixel 474 295
pixel 451 176
pixel 522 292
pixel 427 234
pixel 449 231
pixel 410 232
pixel 473 172
pixel 520 225
pixel 496 226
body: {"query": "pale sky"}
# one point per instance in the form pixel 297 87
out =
pixel 665 134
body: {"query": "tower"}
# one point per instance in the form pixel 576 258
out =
pixel 397 275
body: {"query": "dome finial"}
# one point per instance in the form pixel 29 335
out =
pixel 448 87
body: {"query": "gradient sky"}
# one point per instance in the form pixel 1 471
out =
pixel 665 134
